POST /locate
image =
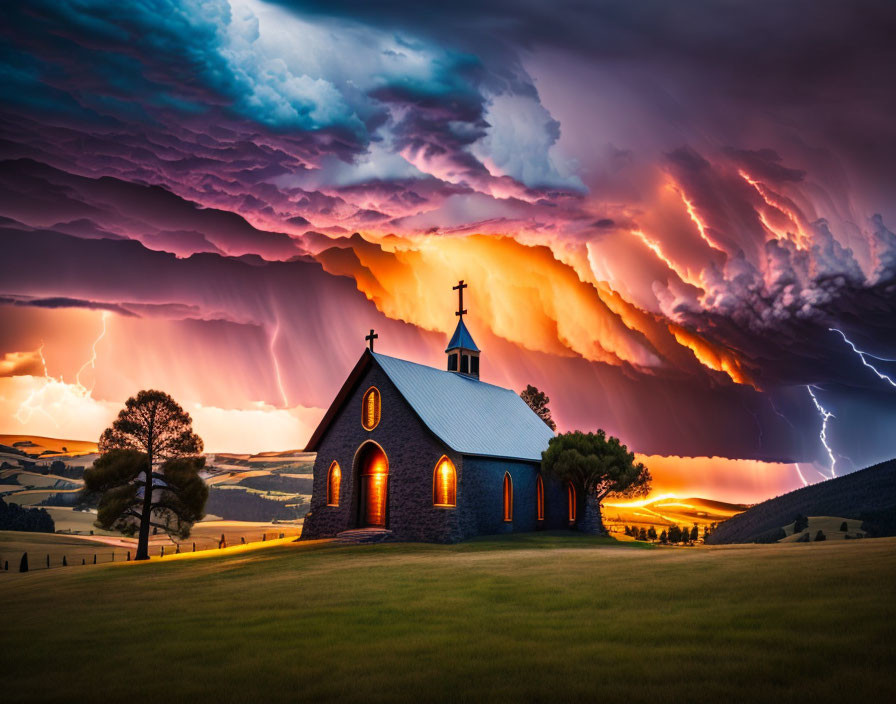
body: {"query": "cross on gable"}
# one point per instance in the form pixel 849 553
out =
pixel 460 297
pixel 370 338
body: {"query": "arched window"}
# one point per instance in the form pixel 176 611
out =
pixel 444 483
pixel 334 481
pixel 571 498
pixel 539 498
pixel 508 497
pixel 370 408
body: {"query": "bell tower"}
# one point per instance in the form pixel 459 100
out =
pixel 463 354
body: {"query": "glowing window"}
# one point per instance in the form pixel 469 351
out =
pixel 370 408
pixel 334 480
pixel 539 498
pixel 571 499
pixel 508 497
pixel 444 483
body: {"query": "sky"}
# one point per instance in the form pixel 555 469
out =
pixel 676 219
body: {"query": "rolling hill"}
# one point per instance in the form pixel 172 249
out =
pixel 868 494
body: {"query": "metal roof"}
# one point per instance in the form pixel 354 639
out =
pixel 462 338
pixel 468 415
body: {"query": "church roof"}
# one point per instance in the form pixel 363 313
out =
pixel 462 338
pixel 469 416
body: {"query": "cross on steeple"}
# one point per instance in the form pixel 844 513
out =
pixel 460 298
pixel 370 338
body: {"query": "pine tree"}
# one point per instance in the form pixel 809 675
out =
pixel 844 528
pixel 819 536
pixel 664 538
pixel 538 401
pixel 642 534
pixel 23 565
pixel 147 476
pixel 694 533
pixel 651 533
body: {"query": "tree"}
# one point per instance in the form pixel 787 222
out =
pixel 819 536
pixel 538 401
pixel 151 445
pixel 844 528
pixel 642 534
pixel 663 537
pixel 651 533
pixel 674 534
pixel 800 523
pixel 23 565
pixel 628 531
pixel 597 466
pixel 694 533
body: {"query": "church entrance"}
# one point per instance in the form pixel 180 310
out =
pixel 374 472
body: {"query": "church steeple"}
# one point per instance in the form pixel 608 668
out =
pixel 463 354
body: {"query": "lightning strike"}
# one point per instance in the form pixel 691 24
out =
pixel 862 356
pixel 823 435
pixel 92 361
pixel 800 473
pixel 271 347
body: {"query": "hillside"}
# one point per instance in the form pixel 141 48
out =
pixel 868 494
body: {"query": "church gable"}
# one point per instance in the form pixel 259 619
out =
pixel 388 467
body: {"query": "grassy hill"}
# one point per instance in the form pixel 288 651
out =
pixel 523 618
pixel 868 494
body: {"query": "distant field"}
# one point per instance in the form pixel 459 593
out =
pixel 663 513
pixel 104 544
pixel 34 444
pixel 539 617
pixel 829 525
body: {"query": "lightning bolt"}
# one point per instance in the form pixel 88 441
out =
pixel 32 404
pixel 823 436
pixel 92 361
pixel 277 364
pixel 798 471
pixel 863 355
pixel 38 398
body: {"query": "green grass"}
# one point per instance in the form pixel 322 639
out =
pixel 545 618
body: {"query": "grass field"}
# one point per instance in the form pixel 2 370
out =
pixel 547 618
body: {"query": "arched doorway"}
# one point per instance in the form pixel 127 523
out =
pixel 373 469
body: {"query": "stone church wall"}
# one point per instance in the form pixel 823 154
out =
pixel 412 451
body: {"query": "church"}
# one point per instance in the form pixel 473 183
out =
pixel 411 452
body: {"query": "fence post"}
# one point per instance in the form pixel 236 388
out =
pixel 48 562
pixel 64 561
pixel 94 558
pixel 162 552
pixel 194 546
pixel 243 539
pixel 128 558
pixel 264 536
pixel 83 560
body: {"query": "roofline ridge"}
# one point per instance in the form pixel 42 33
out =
pixel 445 371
